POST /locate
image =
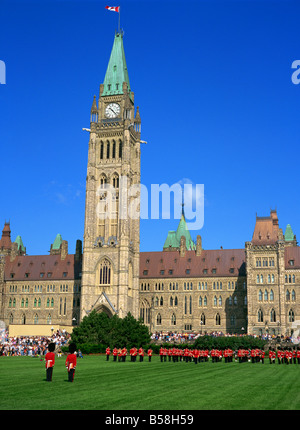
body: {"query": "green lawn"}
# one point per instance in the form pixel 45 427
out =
pixel 101 385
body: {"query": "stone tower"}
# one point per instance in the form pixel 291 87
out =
pixel 110 274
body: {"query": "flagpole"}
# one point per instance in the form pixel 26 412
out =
pixel 119 19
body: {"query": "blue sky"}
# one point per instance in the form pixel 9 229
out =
pixel 218 107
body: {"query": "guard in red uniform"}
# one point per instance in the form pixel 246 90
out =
pixel 71 362
pixel 149 352
pixel 50 361
pixel 115 353
pixel 141 354
pixel 161 354
pixel 107 352
pixel 272 355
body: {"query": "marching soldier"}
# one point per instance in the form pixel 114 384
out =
pixel 50 361
pixel 71 362
pixel 272 355
pixel 141 354
pixel 115 354
pixel 149 352
pixel 161 354
pixel 107 352
pixel 124 354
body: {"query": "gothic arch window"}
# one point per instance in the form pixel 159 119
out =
pixel 176 301
pixel 287 296
pixel 105 272
pixel 273 315
pixel 158 319
pixel 171 301
pixel 266 296
pixel 260 316
pixel 145 312
pixel 49 319
pixel 293 295
pixel 156 301
pixel 220 301
pixel 215 301
pixel 260 296
pixel 230 300
pixel 235 300
pixel 200 301
pixel 60 306
pixel 271 296
pixel 23 319
pixel 173 319
pixel 161 302
pixel 115 180
pixel 103 180
pixel 65 306
pixel 205 301
pixel 11 319
pixel 291 316
pixel 218 319
pixel 190 304
pixel 36 319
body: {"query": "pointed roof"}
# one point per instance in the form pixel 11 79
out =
pixel 173 238
pixel 289 235
pixel 5 241
pixel 19 242
pixel 116 72
pixel 182 230
pixel 57 242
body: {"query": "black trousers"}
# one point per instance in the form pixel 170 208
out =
pixel 49 373
pixel 71 375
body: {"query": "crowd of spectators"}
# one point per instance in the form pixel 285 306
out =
pixel 175 337
pixel 34 346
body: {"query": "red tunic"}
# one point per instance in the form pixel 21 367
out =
pixel 50 359
pixel 71 361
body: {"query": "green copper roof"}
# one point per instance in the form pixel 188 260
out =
pixel 57 242
pixel 173 238
pixel 116 72
pixel 289 235
pixel 182 230
pixel 20 243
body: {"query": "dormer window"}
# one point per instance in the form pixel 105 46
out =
pixel 291 262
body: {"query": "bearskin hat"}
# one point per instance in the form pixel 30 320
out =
pixel 51 347
pixel 72 348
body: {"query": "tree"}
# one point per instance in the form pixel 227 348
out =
pixel 98 328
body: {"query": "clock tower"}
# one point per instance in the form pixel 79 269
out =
pixel 110 273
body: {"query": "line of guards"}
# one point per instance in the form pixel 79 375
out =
pixel 254 355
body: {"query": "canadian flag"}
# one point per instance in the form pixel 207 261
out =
pixel 113 8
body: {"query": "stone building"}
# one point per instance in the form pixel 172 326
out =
pixel 183 287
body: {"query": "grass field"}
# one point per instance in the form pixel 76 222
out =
pixel 101 385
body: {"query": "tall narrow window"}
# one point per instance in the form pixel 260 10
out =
pixel 114 150
pixel 107 150
pixel 120 149
pixel 101 150
pixel 105 272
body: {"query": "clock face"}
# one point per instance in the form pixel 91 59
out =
pixel 112 110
